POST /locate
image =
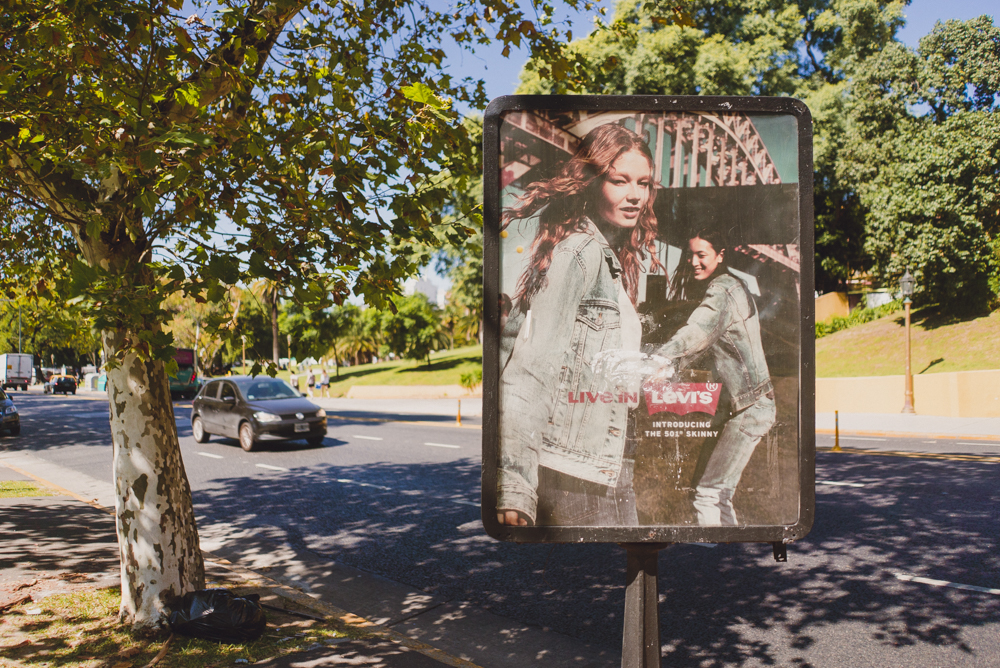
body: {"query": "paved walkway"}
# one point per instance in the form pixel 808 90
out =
pixel 904 425
pixel 73 533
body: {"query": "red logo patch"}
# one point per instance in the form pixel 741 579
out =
pixel 682 398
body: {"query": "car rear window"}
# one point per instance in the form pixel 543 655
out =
pixel 265 389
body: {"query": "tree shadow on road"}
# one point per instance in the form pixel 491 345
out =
pixel 412 524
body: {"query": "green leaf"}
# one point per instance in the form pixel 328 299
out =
pixel 423 94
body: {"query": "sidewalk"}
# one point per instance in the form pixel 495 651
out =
pixel 49 539
pixel 898 424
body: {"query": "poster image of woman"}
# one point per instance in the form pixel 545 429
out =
pixel 566 462
pixel 648 328
pixel 725 326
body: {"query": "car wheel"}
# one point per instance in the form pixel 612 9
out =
pixel 24 388
pixel 198 429
pixel 15 430
pixel 74 393
pixel 315 440
pixel 247 437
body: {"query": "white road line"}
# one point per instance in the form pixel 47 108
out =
pixel 930 441
pixel 269 467
pixel 944 583
pixel 465 503
pixel 347 481
pixel 368 438
pixel 209 454
pixel 443 445
pixel 977 443
pixel 840 484
pixel 861 438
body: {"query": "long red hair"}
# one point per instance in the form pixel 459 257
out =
pixel 563 202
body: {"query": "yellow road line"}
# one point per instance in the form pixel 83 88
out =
pixel 984 459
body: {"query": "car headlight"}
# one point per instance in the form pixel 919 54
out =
pixel 321 413
pixel 264 416
pixel 10 410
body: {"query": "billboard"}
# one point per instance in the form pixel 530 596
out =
pixel 649 332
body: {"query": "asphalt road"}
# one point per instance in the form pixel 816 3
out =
pixel 901 568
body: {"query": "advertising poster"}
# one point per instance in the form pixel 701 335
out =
pixel 648 365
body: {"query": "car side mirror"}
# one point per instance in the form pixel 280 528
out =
pixel 229 400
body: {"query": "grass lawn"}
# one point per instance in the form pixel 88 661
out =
pixel 878 348
pixel 81 630
pixel 447 367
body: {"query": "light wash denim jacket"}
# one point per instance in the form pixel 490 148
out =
pixel 548 350
pixel 725 325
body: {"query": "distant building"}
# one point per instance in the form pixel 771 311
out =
pixel 425 287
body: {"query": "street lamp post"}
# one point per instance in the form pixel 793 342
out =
pixel 906 287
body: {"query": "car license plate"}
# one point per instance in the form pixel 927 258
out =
pixel 302 426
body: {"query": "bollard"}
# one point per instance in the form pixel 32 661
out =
pixel 458 420
pixel 836 431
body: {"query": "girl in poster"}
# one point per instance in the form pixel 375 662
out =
pixel 725 325
pixel 563 449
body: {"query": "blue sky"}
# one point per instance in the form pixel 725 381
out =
pixel 501 74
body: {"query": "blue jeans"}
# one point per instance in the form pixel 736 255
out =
pixel 564 500
pixel 713 499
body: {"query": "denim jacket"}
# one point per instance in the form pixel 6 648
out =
pixel 548 350
pixel 725 325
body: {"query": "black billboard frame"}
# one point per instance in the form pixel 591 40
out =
pixel 779 534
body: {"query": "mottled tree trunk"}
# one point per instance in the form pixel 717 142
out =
pixel 157 536
pixel 275 334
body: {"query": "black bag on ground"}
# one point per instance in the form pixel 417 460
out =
pixel 219 615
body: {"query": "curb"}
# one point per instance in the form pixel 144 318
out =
pixel 297 596
pixel 985 459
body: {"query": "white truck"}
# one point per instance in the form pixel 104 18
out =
pixel 15 370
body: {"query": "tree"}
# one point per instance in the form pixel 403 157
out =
pixel 167 146
pixel 808 49
pixel 457 247
pixel 922 155
pixel 413 328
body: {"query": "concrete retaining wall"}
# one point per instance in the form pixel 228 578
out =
pixel 410 392
pixel 956 394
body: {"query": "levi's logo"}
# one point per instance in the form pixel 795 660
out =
pixel 682 398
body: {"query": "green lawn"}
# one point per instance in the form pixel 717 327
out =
pixel 878 348
pixel 447 367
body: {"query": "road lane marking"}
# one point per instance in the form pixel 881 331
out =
pixel 209 454
pixel 985 459
pixel 368 438
pixel 270 468
pixel 862 438
pixel 348 481
pixel 979 443
pixel 443 445
pixel 944 583
pixel 465 503
pixel 840 484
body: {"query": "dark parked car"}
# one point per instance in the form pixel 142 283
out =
pixel 60 385
pixel 255 409
pixel 9 419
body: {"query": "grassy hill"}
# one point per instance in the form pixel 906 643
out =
pixel 878 348
pixel 447 367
